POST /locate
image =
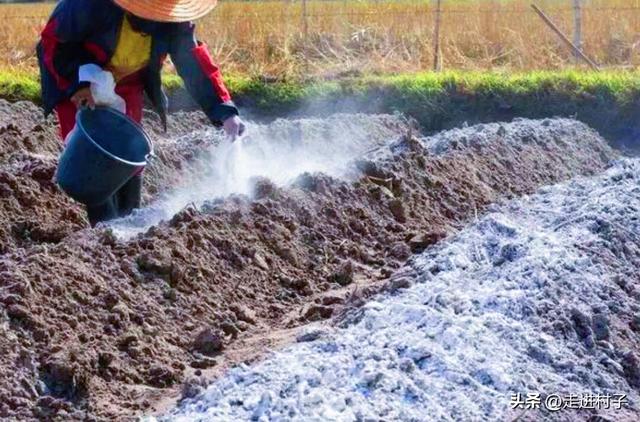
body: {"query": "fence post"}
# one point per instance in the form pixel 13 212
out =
pixel 305 23
pixel 305 34
pixel 437 59
pixel 577 27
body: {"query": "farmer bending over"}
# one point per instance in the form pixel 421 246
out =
pixel 130 39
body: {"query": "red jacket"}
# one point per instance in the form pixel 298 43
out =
pixel 81 32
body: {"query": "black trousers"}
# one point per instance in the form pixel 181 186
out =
pixel 121 204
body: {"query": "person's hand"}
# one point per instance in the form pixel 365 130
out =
pixel 83 97
pixel 234 127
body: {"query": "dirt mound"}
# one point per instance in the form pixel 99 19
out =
pixel 94 326
pixel 33 208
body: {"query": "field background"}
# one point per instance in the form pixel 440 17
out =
pixel 499 60
pixel 337 38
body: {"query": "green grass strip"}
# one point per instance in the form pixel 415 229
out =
pixel 609 101
pixel 19 85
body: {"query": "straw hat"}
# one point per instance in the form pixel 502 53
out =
pixel 168 10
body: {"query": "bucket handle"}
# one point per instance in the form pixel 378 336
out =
pixel 151 155
pixel 148 157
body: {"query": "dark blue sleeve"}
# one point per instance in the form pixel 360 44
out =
pixel 60 50
pixel 201 75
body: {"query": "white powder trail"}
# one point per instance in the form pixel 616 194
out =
pixel 279 151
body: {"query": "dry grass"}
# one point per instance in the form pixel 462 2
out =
pixel 269 38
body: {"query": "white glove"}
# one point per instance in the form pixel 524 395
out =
pixel 234 127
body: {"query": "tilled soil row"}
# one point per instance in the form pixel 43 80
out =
pixel 33 207
pixel 99 328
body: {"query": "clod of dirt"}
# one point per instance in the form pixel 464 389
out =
pixel 581 323
pixel 208 342
pixel 301 286
pixel 310 334
pixel 262 188
pixel 315 312
pixel 63 378
pixel 396 206
pixel 243 313
pixel 161 376
pixel 260 262
pixel 157 263
pixel 398 283
pixel 343 274
pixel 329 299
pixel 400 250
pixel 631 365
pixel 193 387
pixel 601 326
pixel 203 362
pixel 422 241
pixel 230 329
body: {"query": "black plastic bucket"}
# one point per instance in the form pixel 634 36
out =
pixel 104 150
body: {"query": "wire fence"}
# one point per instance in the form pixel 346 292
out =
pixel 319 36
pixel 393 14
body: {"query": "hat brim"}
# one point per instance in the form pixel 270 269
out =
pixel 168 10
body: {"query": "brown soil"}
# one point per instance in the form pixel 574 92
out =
pixel 98 328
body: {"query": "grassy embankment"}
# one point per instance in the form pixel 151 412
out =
pixel 607 101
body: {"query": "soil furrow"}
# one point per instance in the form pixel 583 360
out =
pixel 97 327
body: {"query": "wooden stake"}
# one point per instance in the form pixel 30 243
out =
pixel 437 60
pixel 305 21
pixel 564 38
pixel 305 26
pixel 577 25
